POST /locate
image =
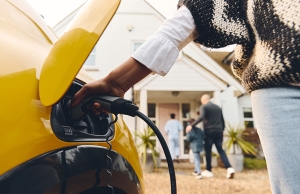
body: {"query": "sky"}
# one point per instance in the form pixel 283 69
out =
pixel 55 10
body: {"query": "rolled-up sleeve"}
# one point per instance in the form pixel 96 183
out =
pixel 161 50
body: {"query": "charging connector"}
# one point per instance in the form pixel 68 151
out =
pixel 115 105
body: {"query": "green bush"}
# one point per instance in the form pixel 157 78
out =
pixel 254 163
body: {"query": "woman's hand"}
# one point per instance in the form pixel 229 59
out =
pixel 101 87
pixel 116 83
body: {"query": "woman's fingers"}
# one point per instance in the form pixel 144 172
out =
pixel 96 109
pixel 96 87
pixel 78 97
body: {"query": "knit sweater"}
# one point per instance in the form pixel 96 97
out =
pixel 267 34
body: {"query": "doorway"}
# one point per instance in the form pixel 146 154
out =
pixel 164 111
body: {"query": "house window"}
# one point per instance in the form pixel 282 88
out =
pixel 152 115
pixel 151 110
pixel 248 117
pixel 186 109
pixel 185 116
pixel 91 60
pixel 136 45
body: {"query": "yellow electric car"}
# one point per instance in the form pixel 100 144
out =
pixel 42 149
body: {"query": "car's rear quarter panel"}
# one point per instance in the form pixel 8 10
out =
pixel 25 128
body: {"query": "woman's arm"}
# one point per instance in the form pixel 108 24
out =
pixel 157 55
pixel 116 83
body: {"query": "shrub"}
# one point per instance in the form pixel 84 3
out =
pixel 234 135
pixel 147 144
pixel 254 163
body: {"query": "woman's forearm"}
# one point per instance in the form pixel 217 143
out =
pixel 126 75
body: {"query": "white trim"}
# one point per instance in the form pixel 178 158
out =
pixel 182 137
pixel 156 12
pixel 70 16
pixel 143 106
pixel 91 68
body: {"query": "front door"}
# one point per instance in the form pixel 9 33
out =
pixel 164 111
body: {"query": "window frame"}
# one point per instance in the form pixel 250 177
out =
pixel 92 67
pixel 153 119
pixel 182 120
pixel 247 119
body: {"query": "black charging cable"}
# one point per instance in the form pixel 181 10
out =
pixel 165 148
pixel 117 105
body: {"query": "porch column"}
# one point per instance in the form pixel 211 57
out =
pixel 217 98
pixel 143 108
pixel 230 106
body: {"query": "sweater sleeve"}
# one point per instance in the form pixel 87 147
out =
pixel 219 23
pixel 173 35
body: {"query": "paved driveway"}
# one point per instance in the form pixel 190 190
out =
pixel 246 182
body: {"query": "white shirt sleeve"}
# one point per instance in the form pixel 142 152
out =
pixel 161 50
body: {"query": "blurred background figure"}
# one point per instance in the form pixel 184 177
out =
pixel 213 124
pixel 196 137
pixel 173 128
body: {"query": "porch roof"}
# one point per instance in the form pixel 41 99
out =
pixel 185 75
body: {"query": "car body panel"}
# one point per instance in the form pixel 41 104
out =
pixel 73 47
pixel 44 32
pixel 72 170
pixel 20 55
pixel 25 125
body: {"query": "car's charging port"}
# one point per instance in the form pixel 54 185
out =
pixel 90 128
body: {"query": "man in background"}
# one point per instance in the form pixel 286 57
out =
pixel 173 128
pixel 213 124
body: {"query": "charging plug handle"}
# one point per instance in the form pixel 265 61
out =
pixel 115 105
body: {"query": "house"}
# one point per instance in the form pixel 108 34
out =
pixel 195 72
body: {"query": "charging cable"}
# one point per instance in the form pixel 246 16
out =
pixel 165 148
pixel 117 105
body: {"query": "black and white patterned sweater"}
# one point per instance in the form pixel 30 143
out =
pixel 267 33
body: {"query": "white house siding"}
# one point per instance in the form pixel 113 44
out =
pixel 183 78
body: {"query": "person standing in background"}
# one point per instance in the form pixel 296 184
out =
pixel 173 128
pixel 213 124
pixel 196 137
